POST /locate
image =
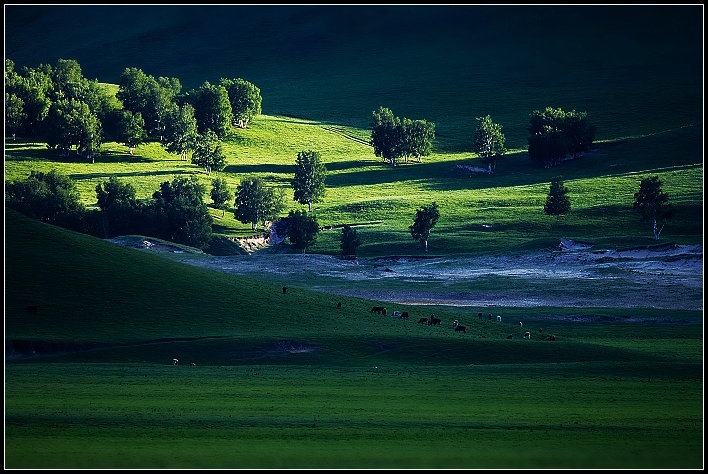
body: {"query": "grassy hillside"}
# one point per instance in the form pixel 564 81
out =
pixel 633 69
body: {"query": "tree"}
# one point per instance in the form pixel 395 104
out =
pixel 309 181
pixel 209 153
pixel 488 141
pixel 394 138
pixel 212 109
pixel 653 204
pixel 255 203
pixel 302 229
pixel 179 213
pixel 557 202
pixel 14 113
pixel 220 194
pixel 417 137
pixel 180 131
pixel 70 122
pixel 132 129
pixel 118 205
pixel 51 197
pixel 556 134
pixel 350 241
pixel 425 219
pixel 386 135
pixel 245 99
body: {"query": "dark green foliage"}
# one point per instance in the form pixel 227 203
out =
pixel 221 194
pixel 245 99
pixel 132 129
pixel 51 197
pixel 394 138
pixel 212 109
pixel 70 123
pixel 180 130
pixel 302 229
pixel 488 141
pixel 179 214
pixel 350 241
pixel 256 202
pixel 208 152
pixel 309 181
pixel 425 219
pixel 557 201
pixel 556 134
pixel 119 207
pixel 653 205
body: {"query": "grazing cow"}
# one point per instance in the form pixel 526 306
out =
pixel 423 320
pixel 285 289
pixel 510 336
pixel 193 364
pixel 521 324
pixel 551 337
pixel 434 320
pixel 377 309
pixel 527 335
pixel 459 328
pixel 175 362
pixel 339 305
pixel 540 330
pixel 499 319
pixel 455 323
pixel 479 315
pixel 490 316
pixel 396 314
pixel 404 315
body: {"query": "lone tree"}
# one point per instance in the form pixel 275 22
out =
pixel 302 229
pixel 208 152
pixel 425 219
pixel 653 204
pixel 309 181
pixel 350 241
pixel 255 202
pixel 220 194
pixel 557 202
pixel 245 99
pixel 488 142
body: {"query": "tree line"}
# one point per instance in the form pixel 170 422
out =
pixel 58 104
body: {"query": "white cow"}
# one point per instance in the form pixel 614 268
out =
pixel 175 362
pixel 498 318
pixel 527 335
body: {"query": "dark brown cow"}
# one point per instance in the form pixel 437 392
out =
pixel 423 320
pixel 285 289
pixel 404 315
pixel 434 321
pixel 461 329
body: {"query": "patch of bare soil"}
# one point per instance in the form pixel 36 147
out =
pixel 570 275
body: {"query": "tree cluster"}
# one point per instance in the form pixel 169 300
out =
pixel 556 135
pixel 58 105
pixel 394 138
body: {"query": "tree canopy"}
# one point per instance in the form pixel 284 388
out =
pixel 245 99
pixel 556 134
pixel 302 229
pixel 425 219
pixel 488 141
pixel 309 180
pixel 557 201
pixel 394 138
pixel 653 205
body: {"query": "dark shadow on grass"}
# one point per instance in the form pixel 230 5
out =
pixel 22 153
pixel 125 175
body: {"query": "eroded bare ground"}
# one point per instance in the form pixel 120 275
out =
pixel 571 275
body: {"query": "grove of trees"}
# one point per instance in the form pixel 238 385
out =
pixel 394 138
pixel 555 135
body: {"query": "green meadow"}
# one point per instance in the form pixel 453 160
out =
pixel 288 381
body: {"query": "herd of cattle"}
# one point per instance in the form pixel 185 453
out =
pixel 456 326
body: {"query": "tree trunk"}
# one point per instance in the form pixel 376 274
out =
pixel 426 245
pixel 309 206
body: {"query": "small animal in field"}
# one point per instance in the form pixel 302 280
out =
pixel 461 329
